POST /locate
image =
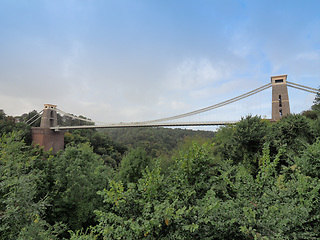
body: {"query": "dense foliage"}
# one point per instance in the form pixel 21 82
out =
pixel 253 180
pixel 155 141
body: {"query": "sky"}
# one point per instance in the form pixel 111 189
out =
pixel 138 60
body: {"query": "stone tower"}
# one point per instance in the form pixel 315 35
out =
pixel 280 98
pixel 49 116
pixel 43 135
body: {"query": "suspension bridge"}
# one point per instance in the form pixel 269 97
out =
pixel 50 135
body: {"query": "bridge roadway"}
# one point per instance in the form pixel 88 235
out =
pixel 146 124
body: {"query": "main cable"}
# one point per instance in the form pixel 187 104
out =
pixel 299 85
pixel 306 90
pixel 35 120
pixel 74 117
pixel 218 105
pixel 30 119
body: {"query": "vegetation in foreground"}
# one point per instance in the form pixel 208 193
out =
pixel 254 180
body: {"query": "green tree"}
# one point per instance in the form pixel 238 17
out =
pixel 293 131
pixel 2 114
pixel 310 114
pixel 21 212
pixel 224 202
pixel 270 205
pixel 133 164
pixel 74 177
pixel 156 141
pixel 316 103
pixel 158 207
pixel 110 151
pixel 243 142
pixel 8 124
pixel 309 162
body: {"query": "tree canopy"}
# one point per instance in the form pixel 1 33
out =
pixel 253 180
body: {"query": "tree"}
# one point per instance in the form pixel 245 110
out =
pixel 21 212
pixel 316 103
pixel 293 131
pixel 310 114
pixel 155 141
pixel 158 207
pixel 270 205
pixel 8 124
pixel 2 114
pixel 224 202
pixel 133 164
pixel 74 177
pixel 110 151
pixel 309 162
pixel 244 141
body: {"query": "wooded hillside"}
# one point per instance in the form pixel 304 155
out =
pixel 253 180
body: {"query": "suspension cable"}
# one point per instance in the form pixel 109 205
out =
pixel 310 91
pixel 74 117
pixel 310 88
pixel 218 105
pixel 30 119
pixel 35 120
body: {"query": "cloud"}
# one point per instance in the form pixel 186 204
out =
pixel 193 73
pixel 308 56
pixel 70 60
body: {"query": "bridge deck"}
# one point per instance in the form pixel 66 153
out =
pixel 129 125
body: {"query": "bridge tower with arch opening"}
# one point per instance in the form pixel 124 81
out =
pixel 280 97
pixel 43 135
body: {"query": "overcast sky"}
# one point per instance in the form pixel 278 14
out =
pixel 136 60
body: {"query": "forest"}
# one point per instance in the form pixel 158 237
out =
pixel 251 180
